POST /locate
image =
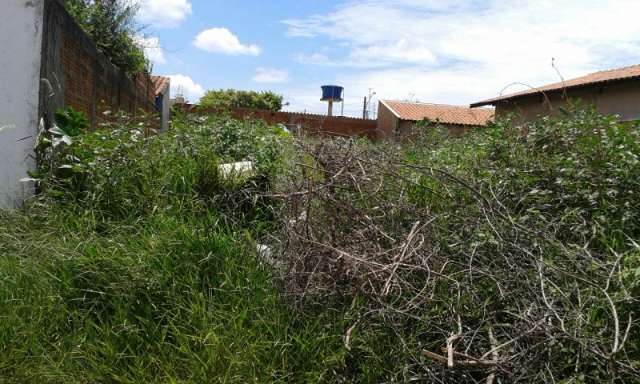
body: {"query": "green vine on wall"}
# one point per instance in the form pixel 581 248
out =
pixel 112 27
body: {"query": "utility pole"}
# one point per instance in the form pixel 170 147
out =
pixel 364 109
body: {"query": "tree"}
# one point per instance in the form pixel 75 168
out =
pixel 112 27
pixel 231 98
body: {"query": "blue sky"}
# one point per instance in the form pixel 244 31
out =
pixel 453 52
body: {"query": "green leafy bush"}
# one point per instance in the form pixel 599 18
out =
pixel 71 122
pixel 121 173
pixel 111 26
pixel 231 98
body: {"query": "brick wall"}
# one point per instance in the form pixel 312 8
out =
pixel 80 76
pixel 315 125
pixel 388 123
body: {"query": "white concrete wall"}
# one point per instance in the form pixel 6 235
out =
pixel 20 55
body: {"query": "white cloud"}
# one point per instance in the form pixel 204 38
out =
pixel 221 40
pixel 270 75
pixel 401 51
pixel 314 58
pixel 373 56
pixel 191 90
pixel 164 13
pixel 468 50
pixel 152 48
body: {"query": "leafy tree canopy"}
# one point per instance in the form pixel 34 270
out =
pixel 231 98
pixel 112 27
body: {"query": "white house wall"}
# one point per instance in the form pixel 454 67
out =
pixel 20 56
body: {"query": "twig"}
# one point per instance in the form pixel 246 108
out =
pixel 459 363
pixel 616 324
pixel 494 352
pixel 347 336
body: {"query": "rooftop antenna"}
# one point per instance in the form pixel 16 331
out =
pixel 179 99
pixel 564 85
pixel 368 109
pixel 374 110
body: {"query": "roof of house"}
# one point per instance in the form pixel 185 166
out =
pixel 448 114
pixel 160 83
pixel 626 73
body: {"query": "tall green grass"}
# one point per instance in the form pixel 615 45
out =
pixel 136 265
pixel 161 300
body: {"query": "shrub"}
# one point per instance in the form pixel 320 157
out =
pixel 231 98
pixel 71 122
pixel 111 26
pixel 119 172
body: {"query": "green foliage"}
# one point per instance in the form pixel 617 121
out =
pixel 158 299
pixel 583 169
pixel 138 265
pixel 137 262
pixel 579 169
pixel 122 174
pixel 71 122
pixel 111 26
pixel 231 98
pixel 572 178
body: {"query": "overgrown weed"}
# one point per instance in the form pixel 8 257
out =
pixel 506 250
pixel 137 262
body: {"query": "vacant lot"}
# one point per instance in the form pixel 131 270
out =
pixel 497 257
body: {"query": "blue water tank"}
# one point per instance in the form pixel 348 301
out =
pixel 332 92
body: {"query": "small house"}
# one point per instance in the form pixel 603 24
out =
pixel 397 119
pixel 611 92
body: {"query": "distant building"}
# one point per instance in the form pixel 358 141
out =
pixel 179 100
pixel 162 87
pixel 397 118
pixel 612 92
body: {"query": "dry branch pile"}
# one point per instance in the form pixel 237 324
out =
pixel 474 290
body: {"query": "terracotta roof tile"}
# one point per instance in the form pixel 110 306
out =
pixel 159 83
pixel 448 114
pixel 617 74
